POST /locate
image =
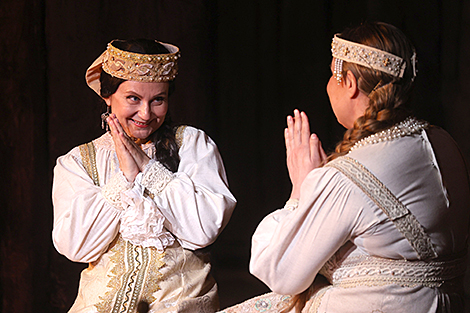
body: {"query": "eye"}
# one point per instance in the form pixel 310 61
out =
pixel 133 98
pixel 158 100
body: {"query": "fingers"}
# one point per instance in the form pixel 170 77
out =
pixel 316 150
pixel 115 125
pixel 287 140
pixel 298 129
pixel 305 128
pixel 289 133
pixel 125 145
pixel 324 156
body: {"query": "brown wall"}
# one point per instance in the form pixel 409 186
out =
pixel 245 65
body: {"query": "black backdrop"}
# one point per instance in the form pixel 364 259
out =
pixel 245 65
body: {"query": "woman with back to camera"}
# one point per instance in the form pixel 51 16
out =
pixel 381 224
pixel 138 202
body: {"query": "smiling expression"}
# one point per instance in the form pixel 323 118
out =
pixel 140 107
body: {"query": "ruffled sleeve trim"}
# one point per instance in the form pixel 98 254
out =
pixel 112 190
pixel 142 223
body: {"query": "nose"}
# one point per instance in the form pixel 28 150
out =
pixel 145 111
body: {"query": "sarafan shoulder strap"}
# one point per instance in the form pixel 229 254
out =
pixel 396 211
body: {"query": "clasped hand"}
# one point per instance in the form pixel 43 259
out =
pixel 132 160
pixel 303 150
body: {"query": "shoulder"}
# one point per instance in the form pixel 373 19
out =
pixel 187 135
pixel 187 130
pixel 327 190
pixel 327 179
pixel 104 142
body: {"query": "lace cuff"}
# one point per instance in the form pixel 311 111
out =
pixel 156 176
pixel 141 221
pixel 112 190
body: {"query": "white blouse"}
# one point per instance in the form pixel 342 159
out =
pixel 192 205
pixel 334 216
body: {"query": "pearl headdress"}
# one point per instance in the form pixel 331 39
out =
pixel 376 59
pixel 134 66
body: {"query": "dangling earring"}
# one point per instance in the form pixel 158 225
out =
pixel 104 116
pixel 338 70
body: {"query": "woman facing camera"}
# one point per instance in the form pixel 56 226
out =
pixel 139 202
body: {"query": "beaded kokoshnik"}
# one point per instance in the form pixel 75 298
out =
pixel 146 68
pixel 140 67
pixel 367 56
pixel 405 128
pixel 376 59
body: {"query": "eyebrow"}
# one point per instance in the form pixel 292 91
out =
pixel 132 92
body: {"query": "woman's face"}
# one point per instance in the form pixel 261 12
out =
pixel 339 101
pixel 140 107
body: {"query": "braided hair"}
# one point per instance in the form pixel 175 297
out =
pixel 388 95
pixel 388 99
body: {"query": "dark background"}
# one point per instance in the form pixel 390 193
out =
pixel 245 65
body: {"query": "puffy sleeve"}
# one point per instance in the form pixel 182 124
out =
pixel 85 221
pixel 195 201
pixel 290 246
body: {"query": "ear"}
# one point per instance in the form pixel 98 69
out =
pixel 350 83
pixel 108 101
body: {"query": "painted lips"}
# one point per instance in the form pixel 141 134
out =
pixel 140 124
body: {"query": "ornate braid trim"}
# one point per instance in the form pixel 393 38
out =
pixel 119 269
pixel 375 271
pixel 155 177
pixel 408 127
pixel 398 213
pixel 153 276
pixel 88 154
pixel 135 277
pixel 112 190
pixel 141 67
pixel 179 135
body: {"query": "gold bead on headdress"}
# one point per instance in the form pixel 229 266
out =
pixel 132 66
pixel 141 67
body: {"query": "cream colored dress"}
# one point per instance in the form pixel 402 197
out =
pixel 337 230
pixel 141 239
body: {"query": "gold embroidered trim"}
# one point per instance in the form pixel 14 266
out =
pixel 179 135
pixel 88 154
pixel 140 281
pixel 118 258
pixel 153 275
pixel 141 67
pixel 135 277
pixel 396 211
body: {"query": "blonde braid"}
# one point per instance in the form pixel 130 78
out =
pixel 383 112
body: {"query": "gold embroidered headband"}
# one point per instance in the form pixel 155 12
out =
pixel 376 59
pixel 134 66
